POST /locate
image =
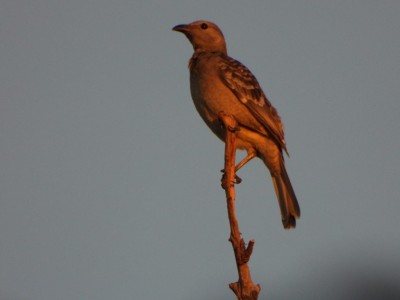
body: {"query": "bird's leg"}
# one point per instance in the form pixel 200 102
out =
pixel 250 156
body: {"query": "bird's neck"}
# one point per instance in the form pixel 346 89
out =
pixel 215 50
pixel 198 55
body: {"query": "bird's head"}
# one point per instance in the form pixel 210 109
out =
pixel 204 36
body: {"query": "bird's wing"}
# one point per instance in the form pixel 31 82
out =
pixel 246 88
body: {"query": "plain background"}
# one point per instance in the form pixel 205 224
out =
pixel 110 182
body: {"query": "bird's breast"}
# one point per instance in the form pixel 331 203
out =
pixel 206 101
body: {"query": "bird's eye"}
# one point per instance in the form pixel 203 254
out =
pixel 204 26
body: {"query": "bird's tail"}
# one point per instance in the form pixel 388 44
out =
pixel 288 204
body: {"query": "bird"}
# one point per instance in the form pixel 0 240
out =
pixel 219 83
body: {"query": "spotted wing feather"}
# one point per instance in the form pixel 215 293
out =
pixel 248 91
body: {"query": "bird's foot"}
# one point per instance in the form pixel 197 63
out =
pixel 224 182
pixel 237 179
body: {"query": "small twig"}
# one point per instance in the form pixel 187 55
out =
pixel 244 288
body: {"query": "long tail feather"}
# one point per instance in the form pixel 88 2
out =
pixel 287 200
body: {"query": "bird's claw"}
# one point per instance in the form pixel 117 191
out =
pixel 237 179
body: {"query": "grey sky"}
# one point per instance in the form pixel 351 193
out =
pixel 110 182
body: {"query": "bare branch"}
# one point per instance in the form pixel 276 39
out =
pixel 244 288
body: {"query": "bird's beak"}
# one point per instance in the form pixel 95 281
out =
pixel 181 28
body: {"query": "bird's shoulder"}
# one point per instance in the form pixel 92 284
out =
pixel 239 78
